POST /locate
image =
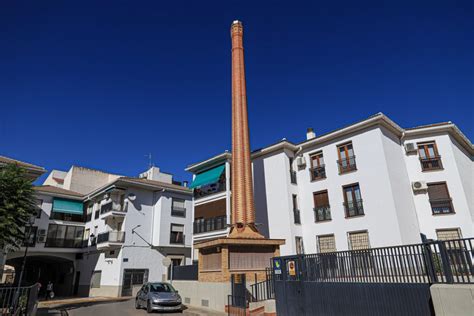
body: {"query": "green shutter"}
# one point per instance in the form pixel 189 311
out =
pixel 207 177
pixel 67 206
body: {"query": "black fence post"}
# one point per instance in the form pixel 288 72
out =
pixel 445 262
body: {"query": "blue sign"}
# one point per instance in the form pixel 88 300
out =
pixel 277 265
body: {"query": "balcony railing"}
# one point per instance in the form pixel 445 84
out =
pixel 111 236
pixel 318 172
pixel 354 208
pixel 64 243
pixel 293 177
pixel 322 213
pixel 347 164
pixel 431 163
pixel 210 224
pixel 210 189
pixel 442 206
pixel 113 207
pixel 297 217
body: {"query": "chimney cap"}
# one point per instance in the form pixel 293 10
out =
pixel 236 22
pixel 309 130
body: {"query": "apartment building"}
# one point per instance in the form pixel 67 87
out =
pixel 111 237
pixel 370 184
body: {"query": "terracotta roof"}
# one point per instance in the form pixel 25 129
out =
pixel 5 160
pixel 429 125
pixel 55 190
pixel 154 183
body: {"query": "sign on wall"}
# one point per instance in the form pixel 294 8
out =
pixel 277 266
pixel 291 268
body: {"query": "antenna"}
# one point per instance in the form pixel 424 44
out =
pixel 150 160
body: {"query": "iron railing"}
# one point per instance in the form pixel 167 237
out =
pixel 210 224
pixel 296 216
pixel 210 189
pixel 347 164
pixel 113 207
pixel 431 163
pixel 317 173
pixel 293 177
pixel 111 236
pixel 431 262
pixel 354 208
pixel 322 213
pixel 264 290
pixel 19 300
pixel 441 206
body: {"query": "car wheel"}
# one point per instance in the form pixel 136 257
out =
pixel 137 305
pixel 148 307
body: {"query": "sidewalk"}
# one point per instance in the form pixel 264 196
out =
pixel 79 300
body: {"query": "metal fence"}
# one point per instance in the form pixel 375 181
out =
pixel 189 272
pixel 19 300
pixel 264 290
pixel 432 262
pixel 237 305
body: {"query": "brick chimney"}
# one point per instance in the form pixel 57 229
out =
pixel 243 210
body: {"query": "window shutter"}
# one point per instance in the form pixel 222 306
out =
pixel 438 191
pixel 321 199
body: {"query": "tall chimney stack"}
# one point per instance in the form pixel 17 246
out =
pixel 243 210
pixel 310 133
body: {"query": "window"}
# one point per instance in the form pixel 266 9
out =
pixel 67 217
pixel 30 236
pixel 97 213
pixel 448 234
pixel 64 236
pixel 429 157
pixel 95 280
pixel 296 211
pixel 346 156
pixel 299 245
pixel 318 169
pixel 326 243
pixel 353 200
pixel 89 210
pixel 322 210
pixel 178 207
pixel 292 172
pixel 39 206
pixel 358 240
pixel 177 234
pixel 441 202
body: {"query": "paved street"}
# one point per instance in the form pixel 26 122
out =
pixel 115 308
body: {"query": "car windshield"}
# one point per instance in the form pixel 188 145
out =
pixel 161 287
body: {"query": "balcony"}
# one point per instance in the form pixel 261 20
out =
pixel 347 164
pixel 210 189
pixel 442 206
pixel 210 224
pixel 296 216
pixel 113 209
pixel 354 208
pixel 110 239
pixel 318 173
pixel 293 177
pixel 431 163
pixel 322 213
pixel 64 243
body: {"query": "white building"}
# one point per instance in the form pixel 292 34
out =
pixel 111 237
pixel 370 184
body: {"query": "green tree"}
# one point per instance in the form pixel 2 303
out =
pixel 17 205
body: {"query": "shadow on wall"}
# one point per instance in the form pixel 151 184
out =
pixel 260 196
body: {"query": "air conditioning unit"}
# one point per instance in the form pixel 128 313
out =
pixel 41 239
pixel 41 232
pixel 410 148
pixel 419 186
pixel 300 162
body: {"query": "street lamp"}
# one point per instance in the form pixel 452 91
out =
pixel 26 241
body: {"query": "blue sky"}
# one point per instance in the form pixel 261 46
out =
pixel 101 84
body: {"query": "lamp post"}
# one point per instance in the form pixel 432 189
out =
pixel 26 241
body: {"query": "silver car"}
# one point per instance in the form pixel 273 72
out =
pixel 158 296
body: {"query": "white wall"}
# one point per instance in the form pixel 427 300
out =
pixel 453 174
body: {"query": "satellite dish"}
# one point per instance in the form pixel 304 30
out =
pixel 166 262
pixel 131 196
